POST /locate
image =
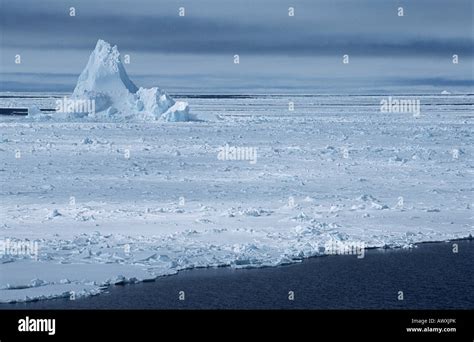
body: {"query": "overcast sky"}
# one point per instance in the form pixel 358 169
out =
pixel 278 53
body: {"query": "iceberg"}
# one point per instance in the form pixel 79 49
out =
pixel 105 83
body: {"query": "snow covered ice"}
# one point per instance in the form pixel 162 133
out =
pixel 124 201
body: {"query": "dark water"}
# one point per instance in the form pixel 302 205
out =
pixel 21 111
pixel 13 111
pixel 431 276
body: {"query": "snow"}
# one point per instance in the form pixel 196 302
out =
pixel 105 81
pixel 126 201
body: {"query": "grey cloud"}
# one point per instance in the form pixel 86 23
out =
pixel 199 35
pixel 276 51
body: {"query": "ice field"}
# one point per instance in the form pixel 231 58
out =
pixel 113 201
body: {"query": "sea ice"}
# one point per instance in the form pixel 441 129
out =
pixel 123 201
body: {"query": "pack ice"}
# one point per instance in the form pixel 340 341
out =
pixel 108 93
pixel 88 203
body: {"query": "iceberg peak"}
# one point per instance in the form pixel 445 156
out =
pixel 104 72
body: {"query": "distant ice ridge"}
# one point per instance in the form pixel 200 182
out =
pixel 105 83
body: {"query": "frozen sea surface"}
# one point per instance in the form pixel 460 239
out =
pixel 112 202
